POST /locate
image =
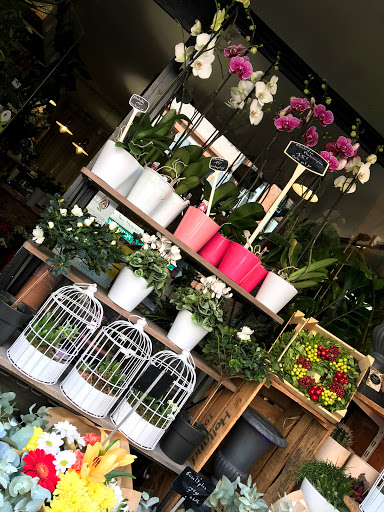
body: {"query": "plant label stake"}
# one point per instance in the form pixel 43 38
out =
pixel 193 488
pixel 139 104
pixel 306 159
pixel 217 165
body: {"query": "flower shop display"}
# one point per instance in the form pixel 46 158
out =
pixel 112 360
pixel 374 501
pixel 324 486
pixel 56 334
pixel 72 233
pixel 150 416
pixel 12 319
pixel 335 449
pixel 357 467
pixel 145 270
pixel 199 311
pixel 318 367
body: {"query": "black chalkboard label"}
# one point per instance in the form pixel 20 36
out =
pixel 147 378
pixel 193 487
pixel 218 164
pixel 139 103
pixel 307 157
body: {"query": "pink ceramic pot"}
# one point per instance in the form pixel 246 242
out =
pixel 255 277
pixel 215 249
pixel 238 262
pixel 196 228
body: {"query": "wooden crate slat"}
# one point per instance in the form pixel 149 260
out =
pixel 152 329
pixel 138 214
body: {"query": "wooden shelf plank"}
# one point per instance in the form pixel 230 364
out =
pixel 139 215
pixel 55 393
pixel 152 329
pixel 373 406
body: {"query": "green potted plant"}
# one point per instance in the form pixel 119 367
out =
pixel 145 270
pixel 324 486
pixel 336 447
pixel 229 496
pixel 200 309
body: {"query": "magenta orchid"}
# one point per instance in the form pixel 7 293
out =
pixel 241 66
pixel 330 157
pixel 286 123
pixel 234 50
pixel 299 105
pixel 311 137
pixel 323 115
pixel 345 147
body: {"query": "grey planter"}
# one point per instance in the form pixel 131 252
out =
pixel 12 319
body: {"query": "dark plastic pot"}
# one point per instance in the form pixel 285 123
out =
pixel 182 439
pixel 12 319
pixel 249 439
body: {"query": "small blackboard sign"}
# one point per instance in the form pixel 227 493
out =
pixel 139 103
pixel 218 164
pixel 307 157
pixel 147 378
pixel 193 487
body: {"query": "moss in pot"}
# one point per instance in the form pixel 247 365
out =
pixel 12 319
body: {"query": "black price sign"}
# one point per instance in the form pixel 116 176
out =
pixel 147 378
pixel 194 488
pixel 139 103
pixel 307 157
pixel 218 164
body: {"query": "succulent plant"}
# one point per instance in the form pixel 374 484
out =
pixel 146 503
pixel 236 497
pixel 343 435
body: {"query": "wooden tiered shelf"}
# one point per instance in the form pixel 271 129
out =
pixel 152 329
pixel 138 215
pixel 374 407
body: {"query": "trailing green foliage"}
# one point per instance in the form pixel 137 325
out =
pixel 343 435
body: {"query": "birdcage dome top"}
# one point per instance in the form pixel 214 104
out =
pixel 180 366
pixel 130 337
pixel 80 301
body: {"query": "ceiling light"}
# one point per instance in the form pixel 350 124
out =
pixel 63 128
pixel 305 192
pixel 52 103
pixel 79 149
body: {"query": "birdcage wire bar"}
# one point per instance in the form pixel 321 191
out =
pixel 374 501
pixel 110 363
pixel 57 333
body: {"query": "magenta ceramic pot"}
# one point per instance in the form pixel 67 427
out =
pixel 215 249
pixel 255 277
pixel 196 228
pixel 238 262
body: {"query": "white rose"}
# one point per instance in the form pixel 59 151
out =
pixel 68 229
pixel 63 212
pixel 112 226
pixel 89 221
pixel 77 211
pixel 113 242
pixel 50 224
pixel 38 235
pixel 243 336
pixel 79 224
pixel 247 330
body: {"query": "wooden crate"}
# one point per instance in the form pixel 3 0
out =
pixel 312 325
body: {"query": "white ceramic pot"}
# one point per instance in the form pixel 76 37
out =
pixel 149 190
pixel 184 333
pixel 275 292
pixel 135 428
pixel 332 451
pixel 314 500
pixel 117 167
pixel 86 397
pixel 29 361
pixel 169 209
pixel 374 502
pixel 129 290
pixel 356 466
pixel 297 500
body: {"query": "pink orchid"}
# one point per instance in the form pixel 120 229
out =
pixel 286 123
pixel 356 148
pixel 323 115
pixel 345 147
pixel 241 66
pixel 333 161
pixel 311 137
pixel 234 50
pixel 342 163
pixel 331 147
pixel 299 105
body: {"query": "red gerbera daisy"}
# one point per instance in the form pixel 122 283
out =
pixel 40 464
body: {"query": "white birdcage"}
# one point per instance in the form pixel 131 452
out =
pixel 57 332
pixel 374 501
pixel 146 425
pixel 105 370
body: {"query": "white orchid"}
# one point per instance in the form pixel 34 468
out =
pixel 256 76
pixel 263 94
pixel 183 54
pixel 50 225
pixel 196 28
pixel 272 84
pixel 202 66
pixel 364 173
pixel 216 287
pixel 38 235
pixel 204 41
pixel 245 333
pixel 112 226
pixel 150 241
pixel 371 159
pixel 77 211
pixel 255 113
pixel 353 165
pixel 218 20
pixel 232 103
pixel 343 183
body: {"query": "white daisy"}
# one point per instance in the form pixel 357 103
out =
pixel 50 443
pixel 64 460
pixel 67 430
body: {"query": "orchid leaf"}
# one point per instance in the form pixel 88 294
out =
pixel 252 211
pixel 313 266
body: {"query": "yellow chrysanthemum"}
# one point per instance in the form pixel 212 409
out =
pixel 32 443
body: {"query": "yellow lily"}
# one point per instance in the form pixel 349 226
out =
pixel 122 456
